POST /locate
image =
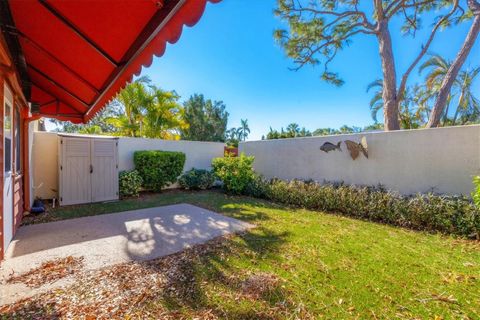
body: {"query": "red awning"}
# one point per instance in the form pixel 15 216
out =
pixel 80 53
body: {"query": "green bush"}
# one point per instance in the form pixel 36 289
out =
pixel 197 179
pixel 158 169
pixel 236 173
pixel 430 212
pixel 129 183
pixel 476 192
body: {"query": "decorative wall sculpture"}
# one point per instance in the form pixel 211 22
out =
pixel 355 148
pixel 328 146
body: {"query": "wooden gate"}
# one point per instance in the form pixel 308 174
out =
pixel 88 169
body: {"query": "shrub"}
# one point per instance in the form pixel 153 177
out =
pixel 197 179
pixel 158 168
pixel 129 183
pixel 236 173
pixel 430 212
pixel 257 187
pixel 476 192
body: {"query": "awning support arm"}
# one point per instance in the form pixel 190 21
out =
pixel 74 96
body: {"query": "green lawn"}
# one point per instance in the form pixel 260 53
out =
pixel 322 265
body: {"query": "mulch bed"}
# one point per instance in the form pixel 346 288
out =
pixel 118 292
pixel 49 271
pixel 164 288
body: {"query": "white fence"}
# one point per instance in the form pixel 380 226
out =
pixel 45 157
pixel 442 160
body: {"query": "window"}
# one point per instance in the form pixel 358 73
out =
pixel 18 143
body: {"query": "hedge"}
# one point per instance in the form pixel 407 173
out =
pixel 197 179
pixel 157 168
pixel 430 212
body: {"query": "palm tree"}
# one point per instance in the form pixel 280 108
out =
pixel 468 105
pixel 438 68
pixel 163 115
pixel 409 117
pixel 148 111
pixel 243 131
pixel 293 129
pixel 232 134
pixel 419 97
pixel 305 133
pixel 376 103
pixel 134 99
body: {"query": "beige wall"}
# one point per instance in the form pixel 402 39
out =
pixel 45 165
pixel 443 160
pixel 45 157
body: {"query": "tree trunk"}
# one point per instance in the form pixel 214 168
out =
pixel 452 73
pixel 389 95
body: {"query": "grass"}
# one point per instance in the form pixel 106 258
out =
pixel 324 265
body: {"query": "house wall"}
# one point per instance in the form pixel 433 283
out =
pixel 9 77
pixel 442 160
pixel 45 157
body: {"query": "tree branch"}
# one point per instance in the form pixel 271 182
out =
pixel 340 15
pixel 403 83
pixel 396 6
pixel 306 58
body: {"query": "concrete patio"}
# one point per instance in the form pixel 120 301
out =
pixel 110 239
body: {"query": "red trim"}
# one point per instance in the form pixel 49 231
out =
pixel 189 14
pixel 82 54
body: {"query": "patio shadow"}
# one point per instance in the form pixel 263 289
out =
pixel 191 271
pixel 165 234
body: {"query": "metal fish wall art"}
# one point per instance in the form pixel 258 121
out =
pixel 328 146
pixel 355 148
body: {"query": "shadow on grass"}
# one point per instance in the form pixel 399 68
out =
pixel 205 277
pixel 210 266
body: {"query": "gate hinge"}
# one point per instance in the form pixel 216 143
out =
pixel 61 141
pixel 61 167
pixel 61 199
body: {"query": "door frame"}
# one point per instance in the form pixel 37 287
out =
pixel 7 98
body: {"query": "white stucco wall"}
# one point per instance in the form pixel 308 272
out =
pixel 45 165
pixel 45 157
pixel 198 154
pixel 442 160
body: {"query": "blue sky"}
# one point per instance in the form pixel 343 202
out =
pixel 230 55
